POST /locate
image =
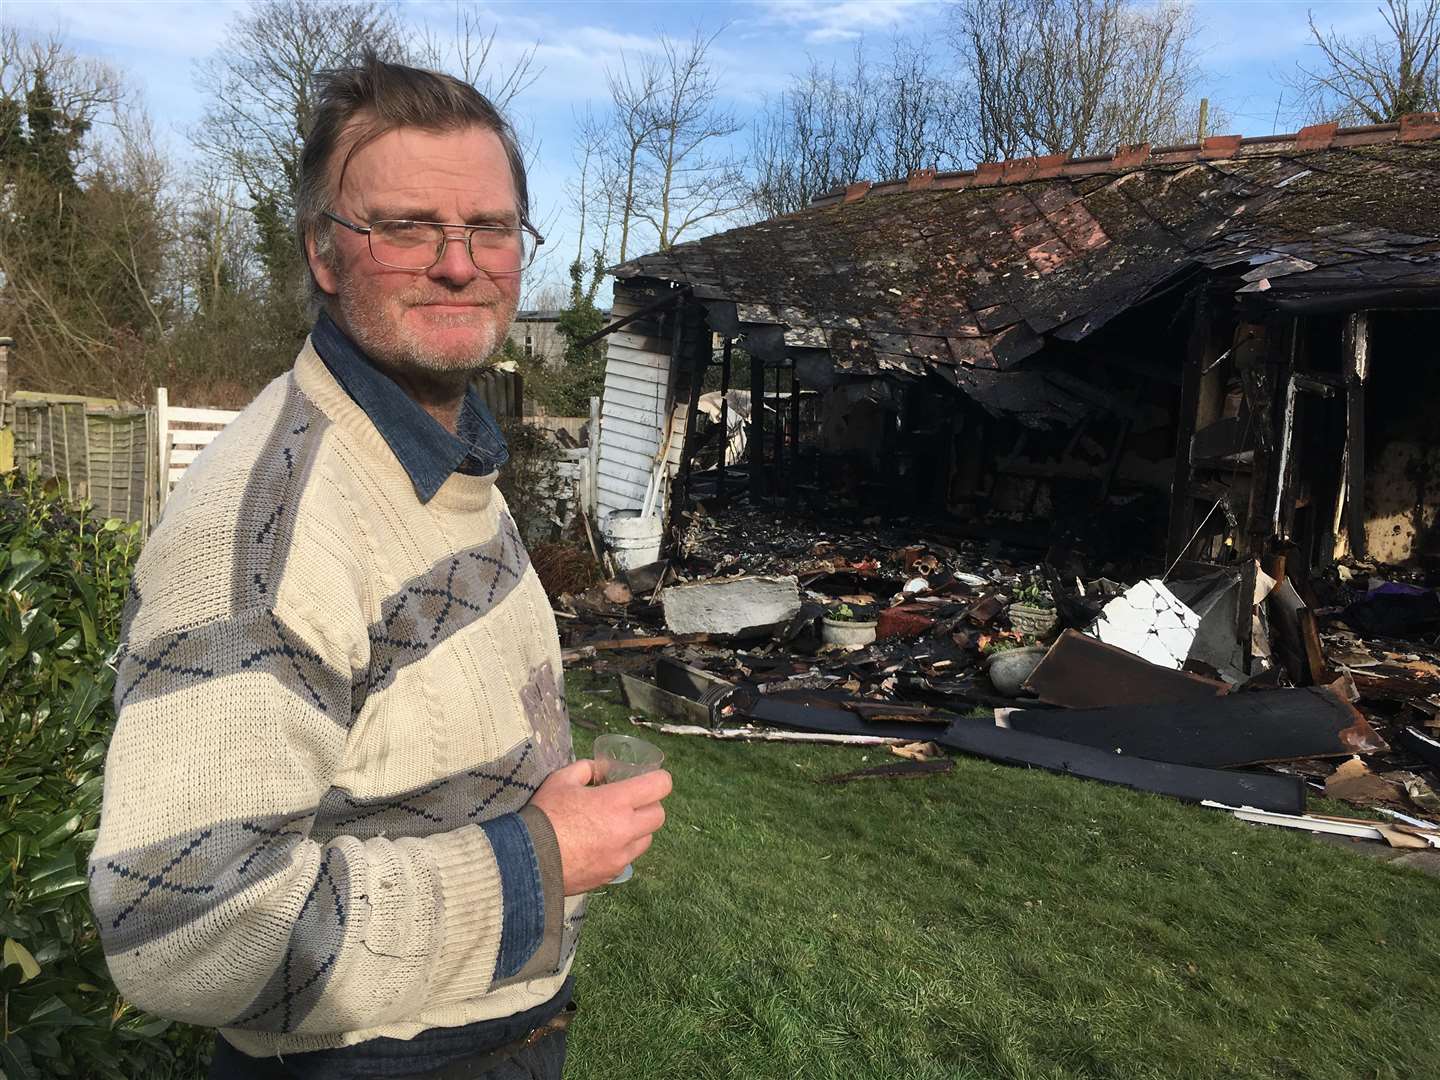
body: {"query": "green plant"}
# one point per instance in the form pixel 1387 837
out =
pixel 531 481
pixel 1033 592
pixel 841 613
pixel 63 579
pixel 1003 644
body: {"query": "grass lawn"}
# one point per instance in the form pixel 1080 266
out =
pixel 993 922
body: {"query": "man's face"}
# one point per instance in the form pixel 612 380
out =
pixel 453 317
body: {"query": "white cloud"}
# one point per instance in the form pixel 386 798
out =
pixel 826 22
pixel 176 29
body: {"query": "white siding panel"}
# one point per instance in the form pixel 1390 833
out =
pixel 621 474
pixel 658 361
pixel 641 458
pixel 639 343
pixel 622 485
pixel 640 393
pixel 635 413
pixel 621 365
pixel 622 411
pixel 646 433
pixel 610 501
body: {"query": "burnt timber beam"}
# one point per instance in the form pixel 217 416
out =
pixel 794 480
pixel 1283 518
pixel 1356 359
pixel 1197 352
pixel 1266 405
pixel 697 362
pixel 777 466
pixel 757 427
pixel 724 417
pixel 649 309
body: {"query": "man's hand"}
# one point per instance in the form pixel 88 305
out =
pixel 600 829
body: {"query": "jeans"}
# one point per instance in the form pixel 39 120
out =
pixel 417 1058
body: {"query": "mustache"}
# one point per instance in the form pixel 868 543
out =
pixel 451 300
pixel 425 297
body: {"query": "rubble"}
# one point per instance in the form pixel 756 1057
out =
pixel 1169 685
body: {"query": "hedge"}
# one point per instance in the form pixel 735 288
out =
pixel 63 579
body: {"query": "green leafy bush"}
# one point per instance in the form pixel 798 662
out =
pixel 63 578
pixel 531 481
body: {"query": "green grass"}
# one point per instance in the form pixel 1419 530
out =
pixel 993 922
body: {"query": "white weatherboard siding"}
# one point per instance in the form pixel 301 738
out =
pixel 633 415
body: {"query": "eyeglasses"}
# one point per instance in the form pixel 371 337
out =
pixel 419 245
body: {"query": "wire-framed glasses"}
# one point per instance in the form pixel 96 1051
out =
pixel 419 245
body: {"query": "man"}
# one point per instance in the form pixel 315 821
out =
pixel 340 820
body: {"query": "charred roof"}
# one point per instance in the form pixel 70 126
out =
pixel 964 274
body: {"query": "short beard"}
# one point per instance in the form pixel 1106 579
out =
pixel 389 347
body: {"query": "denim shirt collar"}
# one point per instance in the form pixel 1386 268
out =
pixel 426 451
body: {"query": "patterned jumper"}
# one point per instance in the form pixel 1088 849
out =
pixel 335 702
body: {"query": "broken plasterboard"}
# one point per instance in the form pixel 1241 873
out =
pixel 1149 621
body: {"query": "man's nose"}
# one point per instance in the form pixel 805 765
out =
pixel 454 264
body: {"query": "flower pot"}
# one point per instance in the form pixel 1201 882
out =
pixel 1032 620
pixel 852 633
pixel 1008 670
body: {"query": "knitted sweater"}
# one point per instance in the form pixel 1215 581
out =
pixel 335 702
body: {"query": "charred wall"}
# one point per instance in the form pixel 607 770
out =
pixel 1402 492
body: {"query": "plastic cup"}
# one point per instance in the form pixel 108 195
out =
pixel 622 757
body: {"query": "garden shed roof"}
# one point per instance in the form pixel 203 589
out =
pixel 968 273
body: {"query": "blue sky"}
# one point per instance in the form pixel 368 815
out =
pixel 1246 47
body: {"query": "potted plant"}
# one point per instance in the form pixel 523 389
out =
pixel 848 626
pixel 1033 611
pixel 1009 663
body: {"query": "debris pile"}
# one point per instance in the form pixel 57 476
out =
pixel 1234 686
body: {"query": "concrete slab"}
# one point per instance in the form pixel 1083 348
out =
pixel 730 605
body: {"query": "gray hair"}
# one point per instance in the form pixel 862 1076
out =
pixel 388 96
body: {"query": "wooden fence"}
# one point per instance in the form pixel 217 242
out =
pixel 103 452
pixel 114 455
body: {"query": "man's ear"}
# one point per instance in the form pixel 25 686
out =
pixel 320 267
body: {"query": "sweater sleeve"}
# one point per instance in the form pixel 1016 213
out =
pixel 215 904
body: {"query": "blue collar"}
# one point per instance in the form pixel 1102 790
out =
pixel 428 452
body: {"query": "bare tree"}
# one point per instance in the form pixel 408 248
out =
pixel 592 192
pixel 833 126
pixel 923 115
pixel 262 84
pixel 695 179
pixel 819 133
pixel 634 90
pixel 215 262
pixel 1073 76
pixel 468 56
pixel 1376 79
